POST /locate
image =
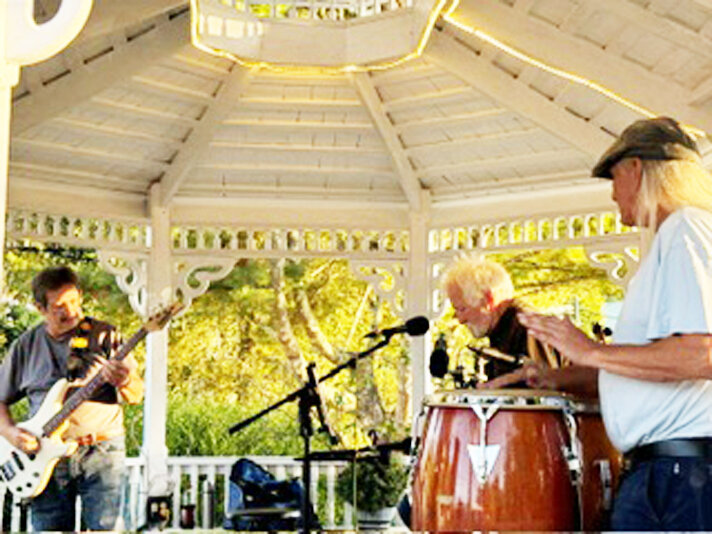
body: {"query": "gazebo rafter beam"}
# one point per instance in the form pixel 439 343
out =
pixel 461 61
pixel 87 81
pixel 199 139
pixel 655 24
pixel 562 50
pixel 404 169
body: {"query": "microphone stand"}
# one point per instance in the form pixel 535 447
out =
pixel 308 397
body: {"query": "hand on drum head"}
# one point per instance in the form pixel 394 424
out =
pixel 561 334
pixel 535 375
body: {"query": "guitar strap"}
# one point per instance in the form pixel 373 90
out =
pixel 92 338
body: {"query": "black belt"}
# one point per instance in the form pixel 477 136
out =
pixel 671 448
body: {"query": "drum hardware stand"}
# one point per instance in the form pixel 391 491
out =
pixel 604 470
pixel 573 455
pixel 308 397
pixel 479 453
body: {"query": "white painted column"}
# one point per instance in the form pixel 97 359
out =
pixel 419 299
pixel 9 76
pixel 154 447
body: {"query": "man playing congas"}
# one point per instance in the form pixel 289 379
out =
pixel 482 295
pixel 654 379
pixel 483 453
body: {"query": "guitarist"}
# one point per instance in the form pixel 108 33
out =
pixel 69 345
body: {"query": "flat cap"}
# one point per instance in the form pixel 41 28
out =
pixel 661 138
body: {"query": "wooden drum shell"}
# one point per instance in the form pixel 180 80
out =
pixel 529 486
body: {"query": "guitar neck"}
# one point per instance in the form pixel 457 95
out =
pixel 86 391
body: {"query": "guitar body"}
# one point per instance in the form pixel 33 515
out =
pixel 27 475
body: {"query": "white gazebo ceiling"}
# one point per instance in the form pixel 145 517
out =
pixel 465 132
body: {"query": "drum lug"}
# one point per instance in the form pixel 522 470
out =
pixel 604 470
pixel 573 461
pixel 483 456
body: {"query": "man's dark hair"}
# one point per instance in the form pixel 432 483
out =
pixel 51 279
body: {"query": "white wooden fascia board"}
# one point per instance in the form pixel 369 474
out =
pixel 198 141
pixel 409 182
pixel 84 83
pixel 284 213
pixel 507 91
pixel 57 199
pixel 580 198
pixel 546 43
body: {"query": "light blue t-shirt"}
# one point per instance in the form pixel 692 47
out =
pixel 670 294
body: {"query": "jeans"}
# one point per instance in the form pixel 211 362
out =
pixel 95 474
pixel 665 494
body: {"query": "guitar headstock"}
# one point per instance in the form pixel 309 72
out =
pixel 160 319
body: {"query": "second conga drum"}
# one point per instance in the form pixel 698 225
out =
pixel 494 460
pixel 600 467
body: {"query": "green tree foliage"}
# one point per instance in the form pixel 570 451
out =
pixel 227 351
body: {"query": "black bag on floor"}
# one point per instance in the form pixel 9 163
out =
pixel 253 487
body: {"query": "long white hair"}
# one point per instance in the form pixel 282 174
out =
pixel 666 186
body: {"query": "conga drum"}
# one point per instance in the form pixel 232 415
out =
pixel 508 460
pixel 600 465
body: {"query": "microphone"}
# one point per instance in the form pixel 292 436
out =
pixel 439 359
pixel 417 326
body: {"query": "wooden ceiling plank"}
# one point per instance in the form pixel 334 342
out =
pixel 576 55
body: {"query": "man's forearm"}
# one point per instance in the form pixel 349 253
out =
pixel 685 357
pixel 7 424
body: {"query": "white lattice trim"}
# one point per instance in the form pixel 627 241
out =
pixel 301 242
pixel 614 257
pixel 388 280
pixel 558 231
pixel 131 273
pixel 77 231
pixel 192 276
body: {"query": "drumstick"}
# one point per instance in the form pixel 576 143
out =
pixel 494 353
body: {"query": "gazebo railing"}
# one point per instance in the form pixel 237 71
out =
pixel 204 482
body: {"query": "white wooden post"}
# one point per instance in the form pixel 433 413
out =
pixel 158 291
pixel 22 42
pixel 418 299
pixel 9 76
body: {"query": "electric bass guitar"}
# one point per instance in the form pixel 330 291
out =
pixel 26 475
